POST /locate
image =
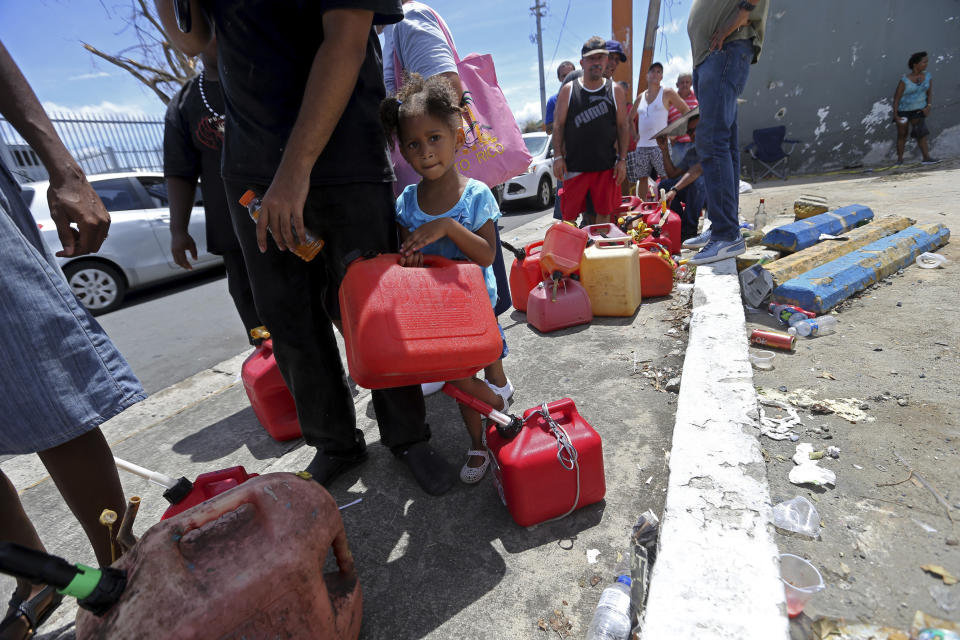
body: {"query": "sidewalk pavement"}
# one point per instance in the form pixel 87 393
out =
pixel 474 573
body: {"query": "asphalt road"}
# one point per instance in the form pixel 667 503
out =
pixel 170 332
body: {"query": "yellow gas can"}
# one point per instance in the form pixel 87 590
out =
pixel 610 272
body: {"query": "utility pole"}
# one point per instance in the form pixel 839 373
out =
pixel 538 9
pixel 649 43
pixel 622 15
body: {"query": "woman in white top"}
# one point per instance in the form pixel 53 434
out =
pixel 651 107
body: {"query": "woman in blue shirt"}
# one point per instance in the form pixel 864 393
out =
pixel 911 106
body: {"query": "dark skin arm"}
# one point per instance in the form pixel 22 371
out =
pixel 181 192
pixel 623 132
pixel 559 117
pixel 193 43
pixel 479 246
pixel 71 198
pixel 926 109
pixel 896 100
pixel 689 176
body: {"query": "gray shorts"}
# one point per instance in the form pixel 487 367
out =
pixel 641 160
pixel 61 375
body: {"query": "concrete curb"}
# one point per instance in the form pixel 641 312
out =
pixel 717 572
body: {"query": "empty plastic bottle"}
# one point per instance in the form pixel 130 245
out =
pixel 812 327
pixel 788 314
pixel 760 217
pixel 611 620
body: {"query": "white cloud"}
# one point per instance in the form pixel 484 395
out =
pixel 90 76
pixel 673 67
pixel 671 27
pixel 104 107
pixel 529 111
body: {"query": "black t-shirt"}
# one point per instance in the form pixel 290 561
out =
pixel 192 141
pixel 590 130
pixel 266 49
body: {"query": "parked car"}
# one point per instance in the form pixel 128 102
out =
pixel 137 250
pixel 537 184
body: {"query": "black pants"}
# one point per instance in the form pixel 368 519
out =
pixel 297 302
pixel 238 284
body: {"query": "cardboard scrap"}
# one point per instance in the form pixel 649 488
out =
pixel 940 572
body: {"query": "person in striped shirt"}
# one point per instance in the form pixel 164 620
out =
pixel 680 144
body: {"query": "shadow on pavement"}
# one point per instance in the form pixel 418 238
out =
pixel 220 439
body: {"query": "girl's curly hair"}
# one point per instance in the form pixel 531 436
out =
pixel 434 96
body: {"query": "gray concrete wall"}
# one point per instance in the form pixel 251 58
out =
pixel 829 69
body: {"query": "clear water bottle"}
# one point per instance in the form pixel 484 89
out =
pixel 812 327
pixel 611 620
pixel 760 217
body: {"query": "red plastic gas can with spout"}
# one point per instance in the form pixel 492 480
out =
pixel 246 564
pixel 533 482
pixel 525 275
pixel 208 485
pixel 409 325
pixel 271 400
pixel 562 251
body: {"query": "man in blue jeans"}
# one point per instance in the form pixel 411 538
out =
pixel 726 37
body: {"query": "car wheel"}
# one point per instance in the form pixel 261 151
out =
pixel 98 286
pixel 544 193
pixel 498 194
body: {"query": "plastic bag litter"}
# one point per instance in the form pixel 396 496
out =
pixel 931 260
pixel 798 515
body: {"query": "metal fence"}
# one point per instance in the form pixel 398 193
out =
pixel 100 142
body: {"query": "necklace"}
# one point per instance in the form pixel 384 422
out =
pixel 218 118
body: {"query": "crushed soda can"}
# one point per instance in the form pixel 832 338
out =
pixel 774 339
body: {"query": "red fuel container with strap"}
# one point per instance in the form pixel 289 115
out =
pixel 525 275
pixel 554 305
pixel 245 564
pixel 271 400
pixel 410 325
pixel 539 479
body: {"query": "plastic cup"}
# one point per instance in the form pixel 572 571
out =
pixel 801 581
pixel 762 359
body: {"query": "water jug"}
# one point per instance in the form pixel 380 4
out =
pixel 656 271
pixel 246 564
pixel 558 304
pixel 610 272
pixel 533 482
pixel 601 231
pixel 271 400
pixel 410 325
pixel 562 251
pixel 525 275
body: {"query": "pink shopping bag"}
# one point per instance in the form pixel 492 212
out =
pixel 495 151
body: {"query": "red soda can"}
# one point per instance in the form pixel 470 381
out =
pixel 775 339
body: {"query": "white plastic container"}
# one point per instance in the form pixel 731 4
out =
pixel 611 621
pixel 762 359
pixel 812 327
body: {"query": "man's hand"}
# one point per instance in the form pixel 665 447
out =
pixel 662 142
pixel 281 209
pixel 620 171
pixel 559 168
pixel 670 196
pixel 739 18
pixel 73 201
pixel 424 235
pixel 180 243
pixel 926 110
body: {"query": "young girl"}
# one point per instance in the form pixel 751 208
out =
pixel 448 215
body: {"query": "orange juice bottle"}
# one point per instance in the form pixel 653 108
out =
pixel 306 250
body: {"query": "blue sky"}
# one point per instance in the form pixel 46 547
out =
pixel 65 76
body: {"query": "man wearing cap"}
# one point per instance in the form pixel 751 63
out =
pixel 590 136
pixel 615 49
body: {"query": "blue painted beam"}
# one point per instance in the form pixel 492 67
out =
pixel 806 233
pixel 824 287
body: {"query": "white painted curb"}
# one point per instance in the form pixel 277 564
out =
pixel 717 573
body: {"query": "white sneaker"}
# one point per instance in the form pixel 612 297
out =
pixel 505 392
pixel 431 387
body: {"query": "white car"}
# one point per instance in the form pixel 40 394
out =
pixel 537 183
pixel 137 249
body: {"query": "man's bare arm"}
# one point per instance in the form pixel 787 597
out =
pixel 673 98
pixel 559 119
pixel 193 43
pixel 70 196
pixel 324 99
pixel 623 132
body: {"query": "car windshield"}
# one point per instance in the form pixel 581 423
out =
pixel 535 145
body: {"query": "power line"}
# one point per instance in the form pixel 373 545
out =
pixel 553 58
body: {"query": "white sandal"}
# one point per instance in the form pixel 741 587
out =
pixel 473 475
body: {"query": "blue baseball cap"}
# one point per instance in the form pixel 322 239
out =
pixel 615 48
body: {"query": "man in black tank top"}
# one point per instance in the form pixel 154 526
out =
pixel 590 137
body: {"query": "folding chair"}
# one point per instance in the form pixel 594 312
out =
pixel 767 149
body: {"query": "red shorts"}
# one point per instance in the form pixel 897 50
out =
pixel 602 187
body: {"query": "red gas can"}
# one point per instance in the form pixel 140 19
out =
pixel 246 564
pixel 406 325
pixel 563 247
pixel 668 233
pixel 271 400
pixel 525 275
pixel 656 271
pixel 533 482
pixel 552 306
pixel 208 485
pixel 603 231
